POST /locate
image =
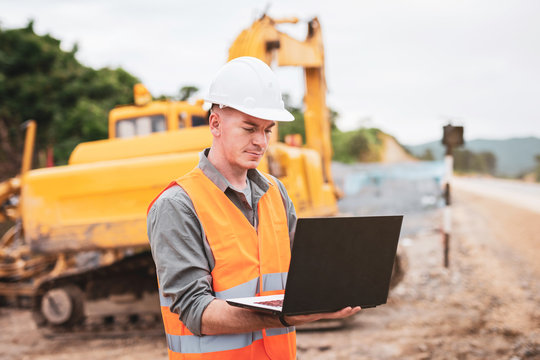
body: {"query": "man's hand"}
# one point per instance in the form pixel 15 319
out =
pixel 221 318
pixel 303 319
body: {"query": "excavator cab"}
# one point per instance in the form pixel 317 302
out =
pixel 146 117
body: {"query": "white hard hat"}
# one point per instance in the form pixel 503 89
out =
pixel 248 85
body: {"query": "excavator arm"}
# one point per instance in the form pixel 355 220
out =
pixel 11 187
pixel 8 188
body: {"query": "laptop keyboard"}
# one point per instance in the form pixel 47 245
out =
pixel 271 302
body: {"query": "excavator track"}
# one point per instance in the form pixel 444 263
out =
pixel 110 326
pixel 109 301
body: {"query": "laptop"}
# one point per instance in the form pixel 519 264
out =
pixel 335 262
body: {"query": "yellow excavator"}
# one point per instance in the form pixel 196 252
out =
pixel 79 251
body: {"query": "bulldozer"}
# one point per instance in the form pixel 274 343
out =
pixel 78 252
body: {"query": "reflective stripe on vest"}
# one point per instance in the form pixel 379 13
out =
pixel 247 263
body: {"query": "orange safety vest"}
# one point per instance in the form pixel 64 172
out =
pixel 247 263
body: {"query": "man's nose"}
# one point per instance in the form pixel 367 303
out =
pixel 260 139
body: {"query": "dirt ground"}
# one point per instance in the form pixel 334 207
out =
pixel 484 306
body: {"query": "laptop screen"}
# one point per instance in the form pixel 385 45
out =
pixel 341 261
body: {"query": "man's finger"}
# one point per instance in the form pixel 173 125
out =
pixel 345 312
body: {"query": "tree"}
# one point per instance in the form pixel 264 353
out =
pixel 467 161
pixel 294 127
pixel 186 91
pixel 351 146
pixel 69 101
pixel 363 144
pixel 489 162
pixel 427 155
pixel 537 169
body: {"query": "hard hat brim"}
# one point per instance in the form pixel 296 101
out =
pixel 281 115
pixel 267 114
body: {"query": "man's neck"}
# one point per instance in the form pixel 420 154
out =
pixel 237 177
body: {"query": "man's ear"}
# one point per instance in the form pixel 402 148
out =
pixel 214 121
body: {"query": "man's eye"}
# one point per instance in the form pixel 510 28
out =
pixel 268 131
pixel 249 129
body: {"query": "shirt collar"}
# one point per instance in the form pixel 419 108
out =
pixel 221 182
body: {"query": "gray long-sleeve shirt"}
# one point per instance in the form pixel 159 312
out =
pixel 183 257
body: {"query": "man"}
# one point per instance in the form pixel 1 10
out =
pixel 225 229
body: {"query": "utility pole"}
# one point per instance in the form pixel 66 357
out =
pixel 452 137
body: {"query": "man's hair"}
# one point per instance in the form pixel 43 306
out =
pixel 214 108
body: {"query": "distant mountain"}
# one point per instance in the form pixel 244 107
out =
pixel 514 156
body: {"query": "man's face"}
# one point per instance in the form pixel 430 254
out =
pixel 243 138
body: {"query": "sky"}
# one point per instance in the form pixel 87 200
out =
pixel 406 67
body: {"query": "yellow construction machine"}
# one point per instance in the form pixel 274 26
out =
pixel 79 248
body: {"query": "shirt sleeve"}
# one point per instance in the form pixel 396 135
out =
pixel 178 247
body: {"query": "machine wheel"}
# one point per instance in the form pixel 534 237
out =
pixel 63 306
